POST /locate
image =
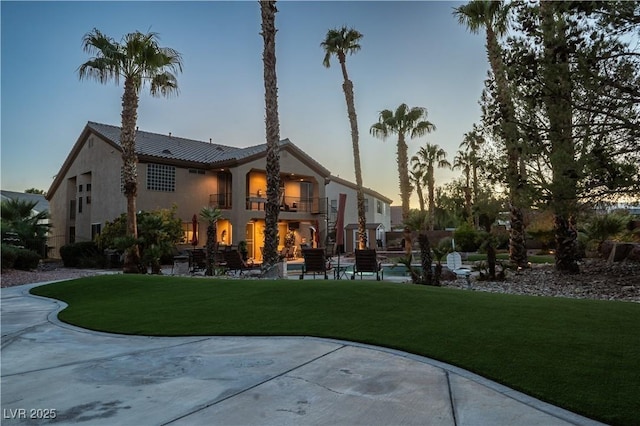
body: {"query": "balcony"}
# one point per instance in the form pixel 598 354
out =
pixel 221 201
pixel 290 204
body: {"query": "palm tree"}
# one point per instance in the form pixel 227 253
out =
pixel 463 161
pixel 416 175
pixel 19 218
pixel 493 17
pixel 472 142
pixel 211 215
pixel 431 156
pixel 340 42
pixel 272 209
pixel 405 121
pixel 138 60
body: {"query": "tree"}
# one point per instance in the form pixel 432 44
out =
pixel 340 42
pixel 211 215
pixel 272 209
pixel 21 220
pixel 403 122
pixel 472 143
pixel 464 162
pixel 431 156
pixel 35 191
pixel 493 17
pixel 138 60
pixel 416 177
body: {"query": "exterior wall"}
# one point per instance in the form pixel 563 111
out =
pixel 243 213
pixel 96 163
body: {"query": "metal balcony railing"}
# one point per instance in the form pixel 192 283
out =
pixel 221 201
pixel 289 204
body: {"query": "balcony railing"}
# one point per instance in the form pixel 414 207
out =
pixel 290 204
pixel 221 201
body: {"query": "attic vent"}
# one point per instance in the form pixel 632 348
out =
pixel 166 151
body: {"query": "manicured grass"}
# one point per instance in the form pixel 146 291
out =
pixel 579 354
pixel 536 258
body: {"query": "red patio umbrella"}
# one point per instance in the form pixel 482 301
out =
pixel 194 223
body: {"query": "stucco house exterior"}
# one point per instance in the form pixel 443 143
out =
pixel 377 213
pixel 87 192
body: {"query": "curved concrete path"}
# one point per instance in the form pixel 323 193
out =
pixel 90 378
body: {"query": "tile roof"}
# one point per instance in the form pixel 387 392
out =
pixel 176 148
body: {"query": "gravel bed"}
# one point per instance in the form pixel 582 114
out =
pixel 597 280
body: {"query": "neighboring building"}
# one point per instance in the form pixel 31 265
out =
pixel 377 213
pixel 87 192
pixel 396 218
pixel 41 202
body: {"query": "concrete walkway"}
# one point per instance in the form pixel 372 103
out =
pixel 50 369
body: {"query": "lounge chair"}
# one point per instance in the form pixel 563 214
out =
pixel 314 263
pixel 367 261
pixel 235 263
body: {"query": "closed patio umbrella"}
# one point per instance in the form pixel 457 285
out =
pixel 194 223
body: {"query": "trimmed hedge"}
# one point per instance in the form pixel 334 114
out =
pixel 19 258
pixel 83 254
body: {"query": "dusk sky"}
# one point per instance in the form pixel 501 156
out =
pixel 412 52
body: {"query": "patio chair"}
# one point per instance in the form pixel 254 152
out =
pixel 197 260
pixel 367 261
pixel 235 263
pixel 314 263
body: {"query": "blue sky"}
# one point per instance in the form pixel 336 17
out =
pixel 412 52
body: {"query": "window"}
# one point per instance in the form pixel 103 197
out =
pixel 88 187
pixel 366 205
pixel 196 171
pixel 79 188
pixel 161 177
pixel 88 199
pixel 72 234
pixel 379 207
pixel 72 209
pixel 79 204
pixel 334 206
pixel 96 228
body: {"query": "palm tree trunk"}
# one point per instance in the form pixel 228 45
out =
pixel 420 196
pixel 432 203
pixel 426 259
pixel 403 171
pixel 509 130
pixel 272 122
pixel 347 87
pixel 130 174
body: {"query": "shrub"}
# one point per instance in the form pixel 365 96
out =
pixel 19 258
pixel 9 256
pixel 466 238
pixel 26 260
pixel 602 227
pixel 83 254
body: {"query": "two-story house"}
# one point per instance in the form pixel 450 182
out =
pixel 189 174
pixel 377 213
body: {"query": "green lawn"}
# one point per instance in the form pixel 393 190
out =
pixel 579 354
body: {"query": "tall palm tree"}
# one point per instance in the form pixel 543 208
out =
pixel 403 122
pixel 340 42
pixel 272 209
pixel 431 156
pixel 493 17
pixel 416 175
pixel 211 215
pixel 138 60
pixel 472 142
pixel 463 161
